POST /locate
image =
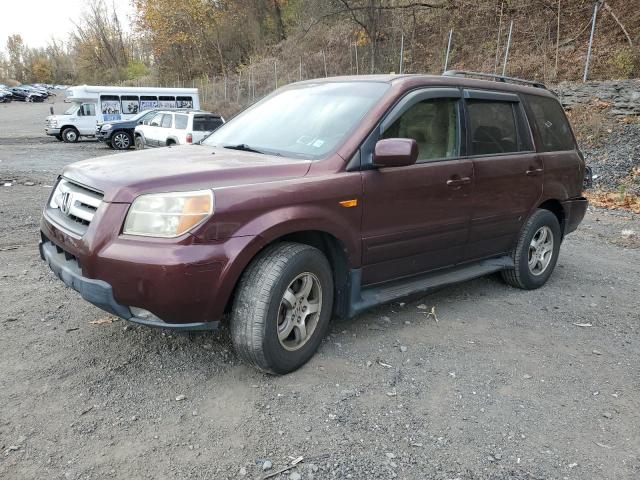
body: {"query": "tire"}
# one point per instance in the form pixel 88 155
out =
pixel 533 257
pixel 139 143
pixel 260 310
pixel 121 140
pixel 70 135
pixel 108 144
pixel 58 137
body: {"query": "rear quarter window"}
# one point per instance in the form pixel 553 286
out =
pixel 551 122
pixel 181 121
pixel 206 123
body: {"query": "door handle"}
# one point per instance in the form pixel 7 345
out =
pixel 456 182
pixel 534 171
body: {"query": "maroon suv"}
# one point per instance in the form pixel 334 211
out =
pixel 325 198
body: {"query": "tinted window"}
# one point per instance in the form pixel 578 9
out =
pixel 147 103
pixel 130 104
pixel 205 123
pixel 181 121
pixel 166 121
pixel 555 133
pixel 492 126
pixel 431 123
pixel 110 104
pixel 167 102
pixel 184 102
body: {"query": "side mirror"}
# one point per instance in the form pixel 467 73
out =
pixel 395 152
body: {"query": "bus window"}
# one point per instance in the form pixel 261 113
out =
pixel 130 104
pixel 184 102
pixel 110 104
pixel 148 103
pixel 167 102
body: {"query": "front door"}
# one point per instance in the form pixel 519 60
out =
pixel 508 173
pixel 415 218
pixel 87 119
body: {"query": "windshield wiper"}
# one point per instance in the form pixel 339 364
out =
pixel 246 148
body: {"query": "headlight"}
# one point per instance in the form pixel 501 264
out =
pixel 106 126
pixel 168 214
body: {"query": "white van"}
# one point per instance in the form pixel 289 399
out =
pixel 91 105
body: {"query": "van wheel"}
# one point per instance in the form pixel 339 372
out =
pixel 282 307
pixel 70 135
pixel 58 137
pixel 120 141
pixel 536 253
pixel 139 143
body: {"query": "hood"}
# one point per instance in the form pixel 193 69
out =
pixel 124 176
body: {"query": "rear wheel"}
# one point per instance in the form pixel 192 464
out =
pixel 70 135
pixel 282 307
pixel 139 143
pixel 536 253
pixel 121 141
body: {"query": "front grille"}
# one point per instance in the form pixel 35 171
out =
pixel 73 206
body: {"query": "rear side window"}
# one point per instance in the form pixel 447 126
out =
pixel 551 122
pixel 206 123
pixel 184 102
pixel 166 120
pixel 492 127
pixel 181 121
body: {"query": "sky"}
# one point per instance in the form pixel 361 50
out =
pixel 40 20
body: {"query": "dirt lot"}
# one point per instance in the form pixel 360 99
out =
pixel 506 384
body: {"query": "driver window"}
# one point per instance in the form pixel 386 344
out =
pixel 87 110
pixel 155 121
pixel 433 124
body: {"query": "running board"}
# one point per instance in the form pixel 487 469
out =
pixel 369 297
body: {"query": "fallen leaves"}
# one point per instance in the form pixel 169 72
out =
pixel 614 201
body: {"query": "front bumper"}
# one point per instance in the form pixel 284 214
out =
pixel 103 136
pixel 100 293
pixel 52 131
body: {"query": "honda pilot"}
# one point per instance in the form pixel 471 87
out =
pixel 326 198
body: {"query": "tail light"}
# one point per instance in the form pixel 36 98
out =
pixel 189 138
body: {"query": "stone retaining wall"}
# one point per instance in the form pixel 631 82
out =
pixel 624 95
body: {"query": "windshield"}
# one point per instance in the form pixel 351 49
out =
pixel 72 109
pixel 303 121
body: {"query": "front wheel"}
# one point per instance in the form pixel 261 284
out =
pixel 536 253
pixel 121 141
pixel 139 143
pixel 282 307
pixel 70 135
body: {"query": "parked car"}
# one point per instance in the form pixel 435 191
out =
pixel 168 128
pixel 119 134
pixel 5 95
pixel 327 197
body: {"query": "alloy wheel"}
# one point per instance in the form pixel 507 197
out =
pixel 299 311
pixel 540 250
pixel 121 141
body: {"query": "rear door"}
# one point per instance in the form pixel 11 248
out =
pixel 415 218
pixel 203 125
pixel 165 129
pixel 507 171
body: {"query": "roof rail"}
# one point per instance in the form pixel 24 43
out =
pixel 495 78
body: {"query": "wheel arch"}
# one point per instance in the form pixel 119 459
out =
pixel 555 207
pixel 331 246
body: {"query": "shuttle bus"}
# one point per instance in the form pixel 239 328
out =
pixel 93 104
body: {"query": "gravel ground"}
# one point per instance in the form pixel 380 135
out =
pixel 506 384
pixel 614 159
